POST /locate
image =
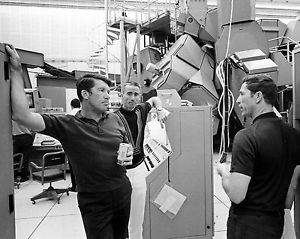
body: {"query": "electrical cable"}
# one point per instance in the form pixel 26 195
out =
pixel 221 76
pixel 225 121
pixel 229 31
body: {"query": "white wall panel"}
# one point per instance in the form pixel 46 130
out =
pixel 60 33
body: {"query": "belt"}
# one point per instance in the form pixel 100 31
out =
pixel 255 212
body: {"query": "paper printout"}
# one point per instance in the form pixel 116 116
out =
pixel 169 200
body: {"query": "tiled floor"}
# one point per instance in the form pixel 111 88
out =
pixel 49 220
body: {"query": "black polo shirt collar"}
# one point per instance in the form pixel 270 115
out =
pixel 264 116
pixel 80 116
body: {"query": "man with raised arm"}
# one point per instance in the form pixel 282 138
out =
pixel 91 140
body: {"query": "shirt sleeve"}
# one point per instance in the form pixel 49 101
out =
pixel 294 143
pixel 121 127
pixel 145 107
pixel 53 126
pixel 243 154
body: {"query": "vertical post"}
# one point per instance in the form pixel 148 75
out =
pixel 115 10
pixel 175 16
pixel 106 36
pixel 148 10
pixel 138 52
pixel 136 13
pixel 123 53
pixel 288 51
pixel 296 121
pixel 109 11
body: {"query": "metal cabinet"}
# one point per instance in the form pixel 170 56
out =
pixel 7 219
pixel 188 171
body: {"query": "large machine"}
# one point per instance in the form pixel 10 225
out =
pixel 204 39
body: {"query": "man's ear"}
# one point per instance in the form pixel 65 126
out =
pixel 85 94
pixel 259 96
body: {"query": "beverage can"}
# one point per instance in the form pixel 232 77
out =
pixel 124 150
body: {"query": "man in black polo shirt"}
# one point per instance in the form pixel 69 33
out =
pixel 264 156
pixel 91 140
pixel 75 107
pixel 133 114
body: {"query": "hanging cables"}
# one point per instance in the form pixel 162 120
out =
pixel 225 107
pixel 226 101
pixel 229 30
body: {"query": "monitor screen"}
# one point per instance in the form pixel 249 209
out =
pixel 30 99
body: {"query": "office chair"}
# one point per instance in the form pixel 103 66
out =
pixel 54 166
pixel 18 164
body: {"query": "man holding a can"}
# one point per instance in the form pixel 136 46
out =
pixel 91 140
pixel 133 114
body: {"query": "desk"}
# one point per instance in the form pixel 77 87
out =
pixel 43 144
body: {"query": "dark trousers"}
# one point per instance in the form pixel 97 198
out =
pixel 23 144
pixel 105 215
pixel 254 226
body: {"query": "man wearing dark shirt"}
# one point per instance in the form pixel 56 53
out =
pixel 90 139
pixel 75 107
pixel 264 157
pixel 134 115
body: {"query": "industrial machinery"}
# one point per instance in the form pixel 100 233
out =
pixel 214 50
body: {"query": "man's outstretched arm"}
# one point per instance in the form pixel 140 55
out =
pixel 156 102
pixel 20 108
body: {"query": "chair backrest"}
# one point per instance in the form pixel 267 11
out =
pixel 54 159
pixel 18 162
pixel 54 167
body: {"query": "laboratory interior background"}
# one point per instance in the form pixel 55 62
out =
pixel 195 52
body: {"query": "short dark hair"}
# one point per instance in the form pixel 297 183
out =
pixel 132 83
pixel 264 84
pixel 87 82
pixel 75 103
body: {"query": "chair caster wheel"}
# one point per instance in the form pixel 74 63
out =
pixel 33 202
pixel 58 202
pixel 68 193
